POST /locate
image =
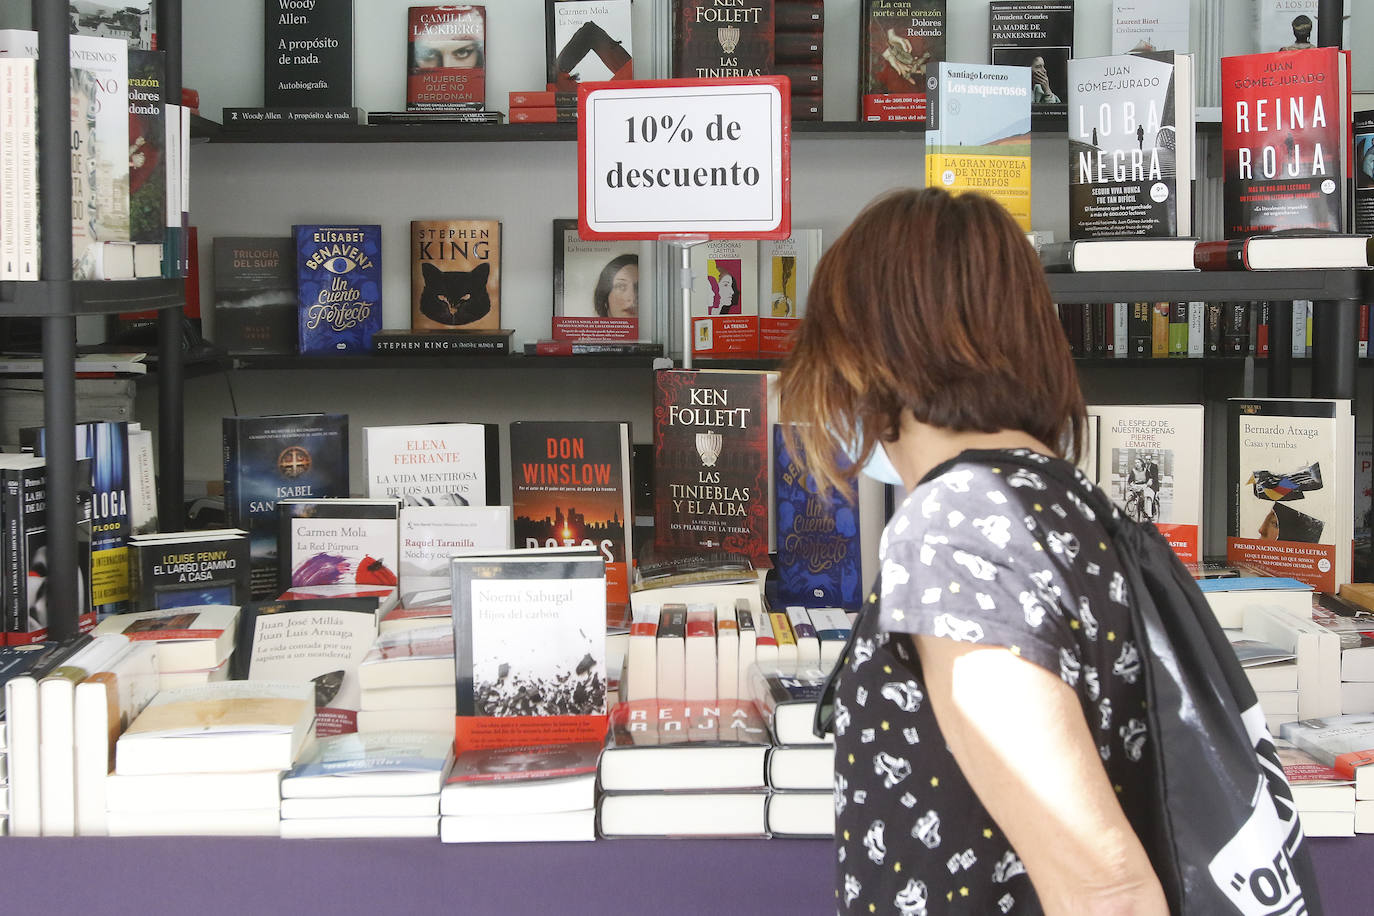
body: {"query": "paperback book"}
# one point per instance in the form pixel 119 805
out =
pixel 725 310
pixel 455 274
pixel 430 535
pixel 661 746
pixel 1161 25
pixel 187 568
pixel 255 295
pixel 587 41
pixel 595 285
pixel 147 161
pixel 23 525
pixel 1364 171
pixel 446 64
pixel 712 40
pixel 1038 35
pixel 374 765
pixel 308 53
pixel 1286 25
pixel 899 41
pixel 338 287
pixel 337 541
pixel 819 558
pixel 520 780
pixel 785 270
pixel 433 464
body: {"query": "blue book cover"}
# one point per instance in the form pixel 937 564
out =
pixel 338 287
pixel 818 538
pixel 279 457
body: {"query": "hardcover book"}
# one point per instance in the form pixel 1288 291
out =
pixel 338 287
pixel 898 41
pixel 522 780
pixel 446 65
pixel 570 486
pixel 786 696
pixel 529 636
pixel 595 286
pixel 587 41
pixel 1285 135
pixel 1118 185
pixel 725 310
pixel 147 159
pixel 978 133
pixel 177 569
pixel 135 21
pixel 712 462
pixel 455 274
pixel 23 546
pixel 1038 35
pixel 1158 25
pixel 1150 462
pixel 1290 482
pixel 712 40
pixel 785 270
pixel 338 541
pixel 430 535
pixel 279 457
pixel 657 746
pixel 255 295
pixel 1364 172
pixel 433 464
pixel 1286 25
pixel 307 53
pixel 818 537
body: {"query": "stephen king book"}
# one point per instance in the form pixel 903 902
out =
pixel 433 464
pixel 595 286
pixel 818 537
pixel 1039 35
pixel 338 287
pixel 715 38
pixel 446 63
pixel 570 486
pixel 279 457
pixel 587 41
pixel 1285 141
pixel 899 40
pixel 455 274
pixel 712 462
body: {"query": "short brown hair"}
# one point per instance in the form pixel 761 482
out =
pixel 937 304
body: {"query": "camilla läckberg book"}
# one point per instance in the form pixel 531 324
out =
pixel 338 287
pixel 1290 482
pixel 455 274
pixel 446 57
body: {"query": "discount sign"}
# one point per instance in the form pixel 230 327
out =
pixel 684 157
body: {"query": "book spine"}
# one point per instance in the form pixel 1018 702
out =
pixel 798 15
pixel 671 651
pixel 549 99
pixel 798 47
pixel 171 233
pixel 543 115
pixel 1178 329
pixel 29 248
pixel 1212 331
pixel 11 526
pixel 1121 316
pixel 1220 255
pixel 1262 330
pixel 806 79
pixel 1299 341
pixel 782 632
pixel 230 448
pixel 9 171
pixel 184 236
pixel 1197 323
pixel 1364 330
pixel 252 117
pixel 430 344
pixel 1139 330
pixel 1159 330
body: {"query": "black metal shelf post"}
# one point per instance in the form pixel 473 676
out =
pixel 171 416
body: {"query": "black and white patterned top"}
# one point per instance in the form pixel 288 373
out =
pixel 990 551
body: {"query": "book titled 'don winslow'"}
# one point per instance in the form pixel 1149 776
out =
pixel 338 287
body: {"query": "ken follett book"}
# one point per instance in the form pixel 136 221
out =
pixel 338 287
pixel 713 40
pixel 818 537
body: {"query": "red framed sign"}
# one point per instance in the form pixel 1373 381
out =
pixel 685 157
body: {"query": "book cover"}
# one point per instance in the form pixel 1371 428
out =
pixel 446 59
pixel 1290 481
pixel 307 53
pixel 725 307
pixel 1125 153
pixel 147 159
pixel 376 764
pixel 898 41
pixel 570 486
pixel 1284 141
pixel 455 274
pixel 711 461
pixel 432 534
pixel 1286 25
pixel 1150 462
pixel 595 285
pixel 421 656
pixel 1038 35
pixel 100 168
pixel 1363 128
pixel 529 636
pixel 195 637
pixel 198 567
pixel 510 766
pixel 1161 25
pixel 787 696
pixel 134 21
pixel 279 457
pixel 587 41
pixel 978 133
pixel 658 746
pixel 1345 743
pixel 254 287
pixel 712 39
pixel 103 705
pixel 338 287
pixel 433 464
pixel 819 561
pixel 337 541
pixel 785 270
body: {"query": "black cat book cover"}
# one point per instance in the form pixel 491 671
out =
pixel 587 41
pixel 713 39
pixel 455 274
pixel 338 287
pixel 254 286
pixel 446 64
pixel 899 42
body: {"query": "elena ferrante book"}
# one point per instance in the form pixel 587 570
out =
pixel 587 41
pixel 570 486
pixel 351 541
pixel 595 286
pixel 899 40
pixel 446 64
pixel 455 274
pixel 785 270
pixel 433 464
pixel 725 307
pixel 978 133
pixel 1285 122
pixel 713 39
pixel 819 562
pixel 338 287
pixel 255 294
pixel 1150 462
pixel 1038 35
pixel 529 636
pixel 1290 479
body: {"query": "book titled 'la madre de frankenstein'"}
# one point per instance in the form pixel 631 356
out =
pixel 338 287
pixel 455 274
pixel 270 458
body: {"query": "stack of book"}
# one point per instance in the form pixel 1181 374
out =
pixel 526 793
pixel 798 54
pixel 367 785
pixel 1346 745
pixel 1230 597
pixel 1273 674
pixel 1316 655
pixel 193 643
pixel 407 680
pixel 1354 627
pixel 208 760
pixel 1324 798
pixel 801 766
pixel 543 107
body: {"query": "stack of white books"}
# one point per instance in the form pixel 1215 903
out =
pixel 193 643
pixel 379 784
pixel 537 792
pixel 801 767
pixel 1324 798
pixel 408 681
pixel 1316 654
pixel 1272 672
pixel 1354 627
pixel 1346 745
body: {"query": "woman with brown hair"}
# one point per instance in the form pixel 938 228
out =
pixel 988 725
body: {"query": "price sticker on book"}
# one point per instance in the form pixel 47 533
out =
pixel 685 157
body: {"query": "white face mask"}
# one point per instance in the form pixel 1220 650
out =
pixel 879 466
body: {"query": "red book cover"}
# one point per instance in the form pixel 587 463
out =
pixel 532 115
pixel 713 40
pixel 542 99
pixel 798 47
pixel 1285 141
pixel 711 461
pixel 447 57
pixel 898 41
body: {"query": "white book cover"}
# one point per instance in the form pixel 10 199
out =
pixel 104 704
pixel 376 764
pixel 610 19
pixel 784 278
pixel 167 792
pixel 727 651
pixel 337 542
pixel 430 464
pixel 1286 25
pixel 413 657
pixel 431 535
pixel 1150 462
pixel 194 637
pixel 725 304
pixel 1161 25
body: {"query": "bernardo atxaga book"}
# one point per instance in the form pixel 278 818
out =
pixel 181 569
pixel 255 294
pixel 433 464
pixel 279 457
pixel 725 307
pixel 338 287
pixel 1284 141
pixel 1130 146
pixel 1038 35
pixel 713 39
pixel 1290 484
pixel 587 41
pixel 818 537
pixel 455 274
pixel 712 462
pixel 899 42
pixel 570 486
pixel 595 286
pixel 978 123
pixel 446 64
pixel 345 541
